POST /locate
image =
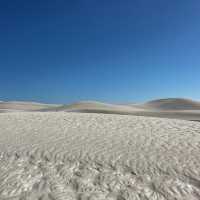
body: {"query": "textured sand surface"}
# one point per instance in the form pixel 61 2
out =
pixel 58 155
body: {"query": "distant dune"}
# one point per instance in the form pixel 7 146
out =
pixel 172 104
pixel 95 107
pixel 23 106
pixel 165 108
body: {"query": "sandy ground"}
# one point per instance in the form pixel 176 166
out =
pixel 79 156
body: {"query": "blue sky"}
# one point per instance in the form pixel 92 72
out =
pixel 60 51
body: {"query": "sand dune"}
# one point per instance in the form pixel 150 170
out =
pixel 61 156
pixel 23 106
pixel 95 107
pixel 165 108
pixel 172 104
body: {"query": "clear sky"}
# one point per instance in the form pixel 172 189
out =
pixel 60 51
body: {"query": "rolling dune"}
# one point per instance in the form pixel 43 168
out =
pixel 23 106
pixel 172 104
pixel 96 107
pixel 165 108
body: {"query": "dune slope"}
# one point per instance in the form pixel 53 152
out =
pixel 164 108
pixel 96 156
pixel 95 107
pixel 23 106
pixel 172 104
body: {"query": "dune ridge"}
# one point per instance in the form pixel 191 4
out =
pixel 166 108
pixel 24 106
pixel 173 104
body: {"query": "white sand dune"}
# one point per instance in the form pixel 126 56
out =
pixel 166 108
pixel 75 156
pixel 23 106
pixel 96 107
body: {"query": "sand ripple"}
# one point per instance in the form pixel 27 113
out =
pixel 95 157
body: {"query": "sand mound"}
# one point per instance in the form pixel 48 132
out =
pixel 165 108
pixel 96 156
pixel 23 106
pixel 87 105
pixel 95 107
pixel 172 104
pixel 151 109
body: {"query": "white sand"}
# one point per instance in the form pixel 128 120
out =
pixel 166 108
pixel 13 106
pixel 63 156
